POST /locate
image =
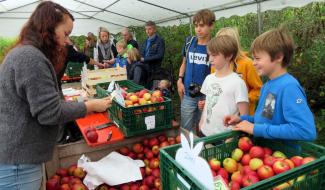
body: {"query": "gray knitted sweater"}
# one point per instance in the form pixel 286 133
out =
pixel 31 109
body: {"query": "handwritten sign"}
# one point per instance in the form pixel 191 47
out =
pixel 150 122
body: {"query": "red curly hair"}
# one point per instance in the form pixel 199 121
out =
pixel 39 31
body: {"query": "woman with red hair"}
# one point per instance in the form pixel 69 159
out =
pixel 31 108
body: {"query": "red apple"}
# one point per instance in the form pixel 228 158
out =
pixel 132 155
pixel 245 143
pixel 52 184
pixel 149 154
pixel 290 163
pixel 142 92
pixel 140 156
pixel 230 165
pixel 267 151
pixel 65 187
pixel 265 172
pixel 87 130
pixel 237 177
pixel 307 160
pixel 157 183
pixel 103 187
pixel 134 186
pixel 155 150
pixel 234 185
pixel 149 181
pixel 256 152
pixel 278 154
pixel 296 160
pixel 143 187
pixel 249 180
pixel 92 136
pixel 162 138
pixel 79 186
pixel 62 172
pixel 237 154
pixel 245 159
pixel 71 169
pixel 74 180
pixel 280 166
pixel 223 173
pixel 164 144
pixel 153 141
pixel 214 164
pixel 134 98
pixel 154 163
pixel 137 148
pixel 124 151
pixel 255 163
pixel 125 186
pixel 246 170
pixel 156 172
pixel 148 171
pixel 143 172
pixel 65 180
pixel 79 172
pixel 157 93
pixel 269 160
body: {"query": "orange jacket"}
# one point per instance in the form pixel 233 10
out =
pixel 253 82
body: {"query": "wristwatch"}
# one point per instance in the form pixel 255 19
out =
pixel 180 77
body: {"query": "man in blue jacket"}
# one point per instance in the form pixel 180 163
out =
pixel 153 49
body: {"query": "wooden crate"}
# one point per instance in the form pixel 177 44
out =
pixel 68 154
pixel 90 78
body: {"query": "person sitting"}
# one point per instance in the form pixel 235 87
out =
pixel 136 70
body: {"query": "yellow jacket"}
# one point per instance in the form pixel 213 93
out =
pixel 253 82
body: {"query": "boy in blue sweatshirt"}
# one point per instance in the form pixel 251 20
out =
pixel 282 111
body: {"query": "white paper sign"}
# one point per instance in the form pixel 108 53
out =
pixel 111 86
pixel 188 156
pixel 150 121
pixel 118 95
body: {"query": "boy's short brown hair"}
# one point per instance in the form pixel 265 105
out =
pixel 226 45
pixel 206 16
pixel 273 42
pixel 133 54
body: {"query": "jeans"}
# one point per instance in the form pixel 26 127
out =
pixel 20 177
pixel 190 113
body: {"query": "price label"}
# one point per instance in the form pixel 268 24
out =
pixel 150 122
pixel 219 183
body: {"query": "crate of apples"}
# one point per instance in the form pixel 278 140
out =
pixel 142 97
pixel 250 164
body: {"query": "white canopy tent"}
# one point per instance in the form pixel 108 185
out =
pixel 116 14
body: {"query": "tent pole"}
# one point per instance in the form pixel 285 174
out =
pixel 259 17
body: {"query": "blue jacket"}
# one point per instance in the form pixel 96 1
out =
pixel 283 112
pixel 153 54
pixel 121 61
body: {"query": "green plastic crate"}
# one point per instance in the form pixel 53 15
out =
pixel 131 120
pixel 74 69
pixel 170 169
pixel 132 87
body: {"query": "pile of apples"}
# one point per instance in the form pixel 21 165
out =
pixel 146 150
pixel 142 97
pixel 67 179
pixel 250 164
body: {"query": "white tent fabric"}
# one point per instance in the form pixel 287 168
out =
pixel 116 14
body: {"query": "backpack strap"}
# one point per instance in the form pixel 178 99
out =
pixel 188 45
